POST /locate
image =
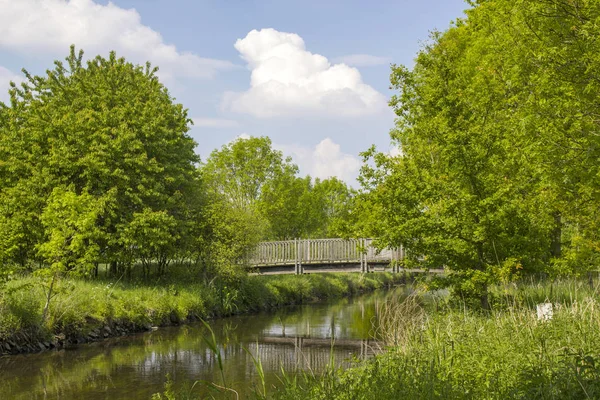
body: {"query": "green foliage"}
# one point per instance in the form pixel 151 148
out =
pixel 289 208
pixel 88 150
pixel 255 194
pixel 457 353
pixel 302 208
pixel 498 168
pixel 240 169
pixel 334 201
pixel 20 310
pixel 235 177
pixel 69 221
pixel 151 235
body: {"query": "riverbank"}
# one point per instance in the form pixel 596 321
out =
pixel 450 351
pixel 85 311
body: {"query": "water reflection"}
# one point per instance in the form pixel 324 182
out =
pixel 298 338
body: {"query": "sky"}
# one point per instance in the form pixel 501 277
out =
pixel 313 75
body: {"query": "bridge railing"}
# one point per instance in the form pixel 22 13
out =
pixel 321 251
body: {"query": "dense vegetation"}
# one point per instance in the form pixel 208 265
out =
pixel 498 126
pixel 441 351
pixel 96 167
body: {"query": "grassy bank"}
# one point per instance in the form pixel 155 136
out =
pixel 449 351
pixel 91 310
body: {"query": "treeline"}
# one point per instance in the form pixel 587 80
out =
pixel 499 129
pixel 97 168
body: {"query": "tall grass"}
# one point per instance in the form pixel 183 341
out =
pixel 82 306
pixel 455 352
pixel 398 319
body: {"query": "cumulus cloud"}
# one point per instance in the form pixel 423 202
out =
pixel 289 80
pixel 395 151
pixel 215 123
pixel 324 161
pixel 362 60
pixel 6 76
pixel 53 25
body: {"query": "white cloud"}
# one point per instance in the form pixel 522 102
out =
pixel 51 26
pixel 215 123
pixel 241 136
pixel 6 76
pixel 362 60
pixel 289 80
pixel 324 161
pixel 395 151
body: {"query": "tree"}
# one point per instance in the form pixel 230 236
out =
pixel 108 131
pixel 240 169
pixel 498 126
pixel 258 184
pixel 463 194
pixel 289 205
pixel 235 177
pixel 557 54
pixel 72 236
pixel 302 208
pixel 334 200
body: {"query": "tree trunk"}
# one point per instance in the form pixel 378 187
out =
pixel 485 304
pixel 113 268
pixel 48 298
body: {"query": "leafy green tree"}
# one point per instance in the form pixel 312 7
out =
pixel 498 128
pixel 106 129
pixel 235 177
pixel 463 194
pixel 151 236
pixel 554 67
pixel 72 236
pixel 240 169
pixel 228 236
pixel 334 200
pixel 289 206
pixel 302 208
pixel 258 192
pixel 69 222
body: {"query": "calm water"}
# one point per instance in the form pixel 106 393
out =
pixel 295 338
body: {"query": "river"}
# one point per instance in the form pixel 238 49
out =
pixel 301 338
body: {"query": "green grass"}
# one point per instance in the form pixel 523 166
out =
pixel 462 353
pixel 80 306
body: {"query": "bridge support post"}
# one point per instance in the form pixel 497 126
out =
pixel 366 244
pixel 297 263
pixel 362 256
pixel 400 257
pixel 299 269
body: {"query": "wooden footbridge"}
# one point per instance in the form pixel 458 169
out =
pixel 301 256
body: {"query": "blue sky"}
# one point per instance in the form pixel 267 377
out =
pixel 312 75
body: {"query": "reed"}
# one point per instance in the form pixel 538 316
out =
pixel 450 351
